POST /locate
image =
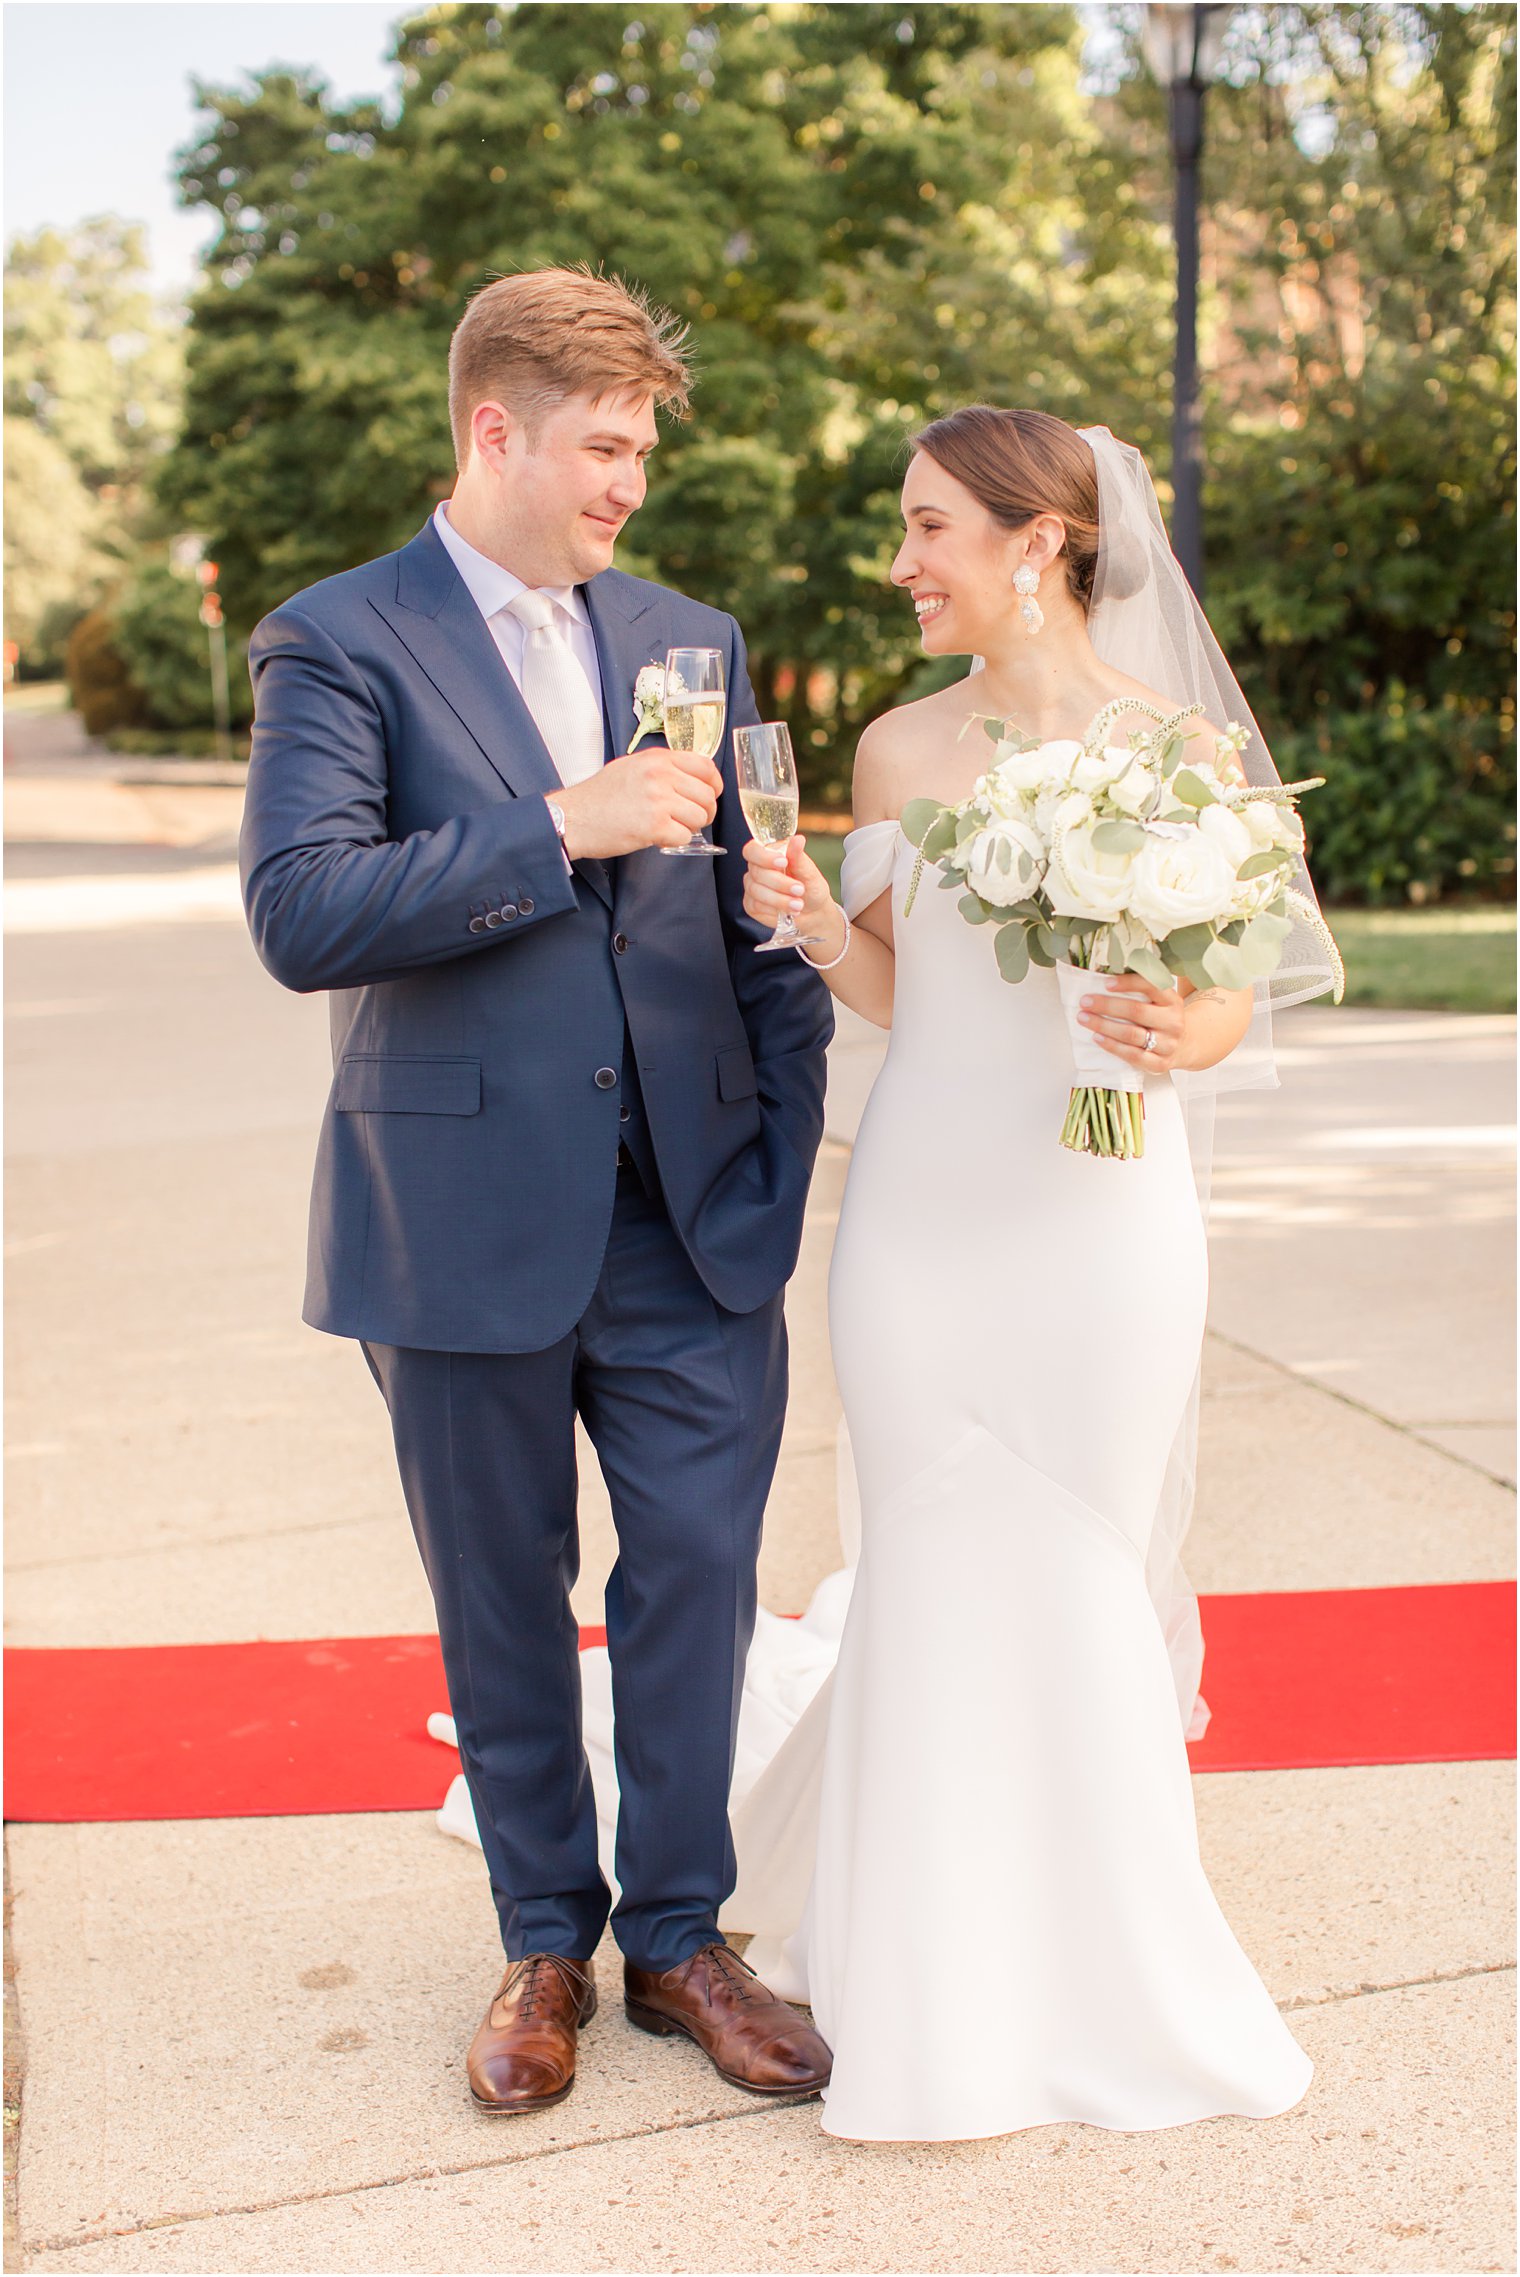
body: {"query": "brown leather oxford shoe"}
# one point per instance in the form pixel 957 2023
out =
pixel 754 2039
pixel 523 2056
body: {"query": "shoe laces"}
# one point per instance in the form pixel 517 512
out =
pixel 734 1970
pixel 529 1974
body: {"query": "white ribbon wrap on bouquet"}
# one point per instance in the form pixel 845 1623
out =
pixel 1095 1066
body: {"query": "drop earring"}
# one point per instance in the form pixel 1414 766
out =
pixel 1026 583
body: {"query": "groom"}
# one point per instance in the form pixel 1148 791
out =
pixel 566 1152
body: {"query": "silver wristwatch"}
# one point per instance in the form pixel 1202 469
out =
pixel 557 817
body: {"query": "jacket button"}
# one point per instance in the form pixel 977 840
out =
pixel 477 924
pixel 525 907
pixel 491 920
pixel 625 1114
pixel 509 910
pixel 620 942
pixel 605 1079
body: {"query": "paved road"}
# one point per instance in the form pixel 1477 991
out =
pixel 274 2010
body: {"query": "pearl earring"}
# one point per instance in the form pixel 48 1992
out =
pixel 1026 582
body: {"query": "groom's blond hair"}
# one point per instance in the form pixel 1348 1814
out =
pixel 531 341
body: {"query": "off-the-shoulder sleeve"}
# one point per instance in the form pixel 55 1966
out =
pixel 870 858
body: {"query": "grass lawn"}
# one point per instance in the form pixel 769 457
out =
pixel 1426 960
pixel 37 696
pixel 1413 960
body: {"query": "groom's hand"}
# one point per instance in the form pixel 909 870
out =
pixel 651 797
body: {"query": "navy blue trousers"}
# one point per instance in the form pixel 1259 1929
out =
pixel 684 1404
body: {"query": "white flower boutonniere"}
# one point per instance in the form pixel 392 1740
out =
pixel 649 703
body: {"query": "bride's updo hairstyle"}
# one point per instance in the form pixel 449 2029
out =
pixel 1021 463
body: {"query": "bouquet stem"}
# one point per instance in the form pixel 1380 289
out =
pixel 1110 1123
pixel 1100 1118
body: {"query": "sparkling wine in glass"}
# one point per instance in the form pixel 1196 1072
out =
pixel 696 705
pixel 767 775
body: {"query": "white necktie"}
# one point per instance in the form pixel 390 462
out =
pixel 556 690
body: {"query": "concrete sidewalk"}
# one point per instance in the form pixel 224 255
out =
pixel 244 2038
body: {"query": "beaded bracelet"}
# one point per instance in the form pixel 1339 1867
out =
pixel 833 961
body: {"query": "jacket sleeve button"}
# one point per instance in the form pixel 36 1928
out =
pixel 477 924
pixel 526 906
pixel 491 920
pixel 508 909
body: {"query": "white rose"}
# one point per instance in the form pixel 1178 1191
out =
pixel 1096 768
pixel 1028 772
pixel 1186 880
pixel 1084 883
pixel 1133 791
pixel 1258 819
pixel 1271 825
pixel 1228 832
pixel 985 874
pixel 1022 774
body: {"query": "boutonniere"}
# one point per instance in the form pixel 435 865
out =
pixel 649 703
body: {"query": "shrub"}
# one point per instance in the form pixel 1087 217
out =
pixel 100 686
pixel 1418 799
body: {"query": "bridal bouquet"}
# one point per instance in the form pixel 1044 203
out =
pixel 1101 857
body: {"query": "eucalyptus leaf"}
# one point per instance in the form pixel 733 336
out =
pixel 1148 964
pixel 939 837
pixel 993 730
pixel 1270 926
pixel 951 881
pixel 916 818
pixel 1012 952
pixel 1192 789
pixel 973 909
pixel 1257 865
pixel 1041 943
pixel 1190 941
pixel 1261 945
pixel 1116 837
pixel 1226 967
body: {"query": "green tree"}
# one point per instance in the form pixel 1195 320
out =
pixel 871 213
pixel 92 373
pixel 819 188
pixel 1360 176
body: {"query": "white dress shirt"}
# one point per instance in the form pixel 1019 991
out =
pixel 491 587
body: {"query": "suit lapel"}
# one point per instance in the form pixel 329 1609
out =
pixel 437 622
pixel 439 625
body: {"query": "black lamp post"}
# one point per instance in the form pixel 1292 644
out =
pixel 1183 45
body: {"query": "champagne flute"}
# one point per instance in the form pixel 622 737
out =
pixel 767 775
pixel 695 708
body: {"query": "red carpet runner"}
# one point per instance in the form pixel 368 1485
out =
pixel 1295 1679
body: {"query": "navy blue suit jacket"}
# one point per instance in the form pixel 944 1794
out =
pixel 397 851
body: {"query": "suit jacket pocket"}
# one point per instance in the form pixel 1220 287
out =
pixel 736 1073
pixel 406 1083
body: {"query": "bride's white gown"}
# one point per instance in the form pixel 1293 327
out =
pixel 974 1851
pixel 1008 1922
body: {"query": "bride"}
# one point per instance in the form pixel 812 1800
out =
pixel 976 1854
